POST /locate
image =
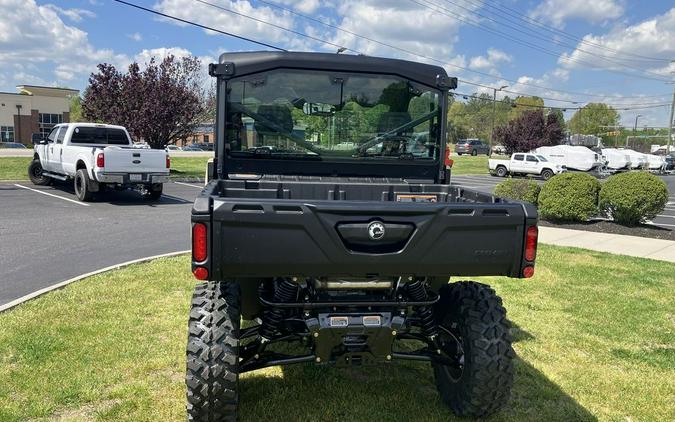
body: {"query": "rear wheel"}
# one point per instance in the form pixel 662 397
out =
pixel 546 174
pixel 212 374
pixel 35 174
pixel 475 333
pixel 459 153
pixel 501 171
pixel 82 185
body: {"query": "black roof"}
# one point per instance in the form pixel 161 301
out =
pixel 233 65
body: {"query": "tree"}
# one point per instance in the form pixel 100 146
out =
pixel 523 104
pixel 159 104
pixel 590 119
pixel 529 131
pixel 75 109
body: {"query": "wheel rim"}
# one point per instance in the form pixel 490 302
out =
pixel 451 344
pixel 37 171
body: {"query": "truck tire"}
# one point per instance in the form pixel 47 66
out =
pixel 212 373
pixel 153 192
pixel 546 174
pixel 35 174
pixel 474 153
pixel 474 314
pixel 82 184
pixel 501 171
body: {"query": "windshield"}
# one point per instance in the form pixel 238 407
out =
pixel 316 115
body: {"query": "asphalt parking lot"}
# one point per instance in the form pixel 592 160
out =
pixel 487 184
pixel 47 236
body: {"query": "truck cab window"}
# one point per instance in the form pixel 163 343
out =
pixel 52 135
pixel 532 159
pixel 518 157
pixel 61 135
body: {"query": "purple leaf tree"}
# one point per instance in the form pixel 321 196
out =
pixel 529 131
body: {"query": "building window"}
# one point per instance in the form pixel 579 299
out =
pixel 6 133
pixel 206 139
pixel 47 121
pixel 195 139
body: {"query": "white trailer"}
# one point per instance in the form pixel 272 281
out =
pixel 572 157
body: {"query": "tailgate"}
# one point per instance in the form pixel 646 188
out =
pixel 134 160
pixel 251 238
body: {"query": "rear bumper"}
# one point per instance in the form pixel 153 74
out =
pixel 462 150
pixel 125 178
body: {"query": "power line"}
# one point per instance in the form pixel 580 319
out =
pixel 533 22
pixel 525 43
pixel 200 25
pixel 327 42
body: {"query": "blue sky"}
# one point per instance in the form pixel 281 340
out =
pixel 616 51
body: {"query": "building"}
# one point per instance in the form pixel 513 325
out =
pixel 34 109
pixel 204 133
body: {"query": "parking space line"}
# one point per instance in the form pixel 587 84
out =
pixel 666 216
pixel 189 184
pixel 51 194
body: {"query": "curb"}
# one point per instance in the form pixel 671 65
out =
pixel 64 283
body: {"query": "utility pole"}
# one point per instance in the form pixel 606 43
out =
pixel 670 123
pixel 494 109
pixel 634 128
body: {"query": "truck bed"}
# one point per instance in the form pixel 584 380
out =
pixel 318 227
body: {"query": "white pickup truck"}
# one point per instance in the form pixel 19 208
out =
pixel 96 157
pixel 523 163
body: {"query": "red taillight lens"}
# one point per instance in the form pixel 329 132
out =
pixel 168 161
pixel 531 243
pixel 201 273
pixel 528 272
pixel 448 160
pixel 100 160
pixel 199 249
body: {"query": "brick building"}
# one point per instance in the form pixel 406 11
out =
pixel 33 109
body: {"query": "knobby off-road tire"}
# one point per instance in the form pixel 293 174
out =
pixel 475 315
pixel 82 185
pixel 35 174
pixel 212 353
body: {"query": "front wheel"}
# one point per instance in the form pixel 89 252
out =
pixel 475 333
pixel 474 153
pixel 82 184
pixel 36 174
pixel 501 171
pixel 546 174
pixel 212 374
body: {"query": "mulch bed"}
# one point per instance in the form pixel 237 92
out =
pixel 602 226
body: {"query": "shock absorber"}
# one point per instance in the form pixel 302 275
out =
pixel 417 292
pixel 272 318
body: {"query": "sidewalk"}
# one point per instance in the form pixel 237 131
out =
pixel 642 247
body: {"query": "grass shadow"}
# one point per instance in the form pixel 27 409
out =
pixel 395 391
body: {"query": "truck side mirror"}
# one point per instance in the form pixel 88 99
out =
pixel 38 138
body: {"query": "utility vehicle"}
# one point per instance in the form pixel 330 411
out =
pixel 331 223
pixel 97 156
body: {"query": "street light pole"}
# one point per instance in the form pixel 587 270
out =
pixel 670 123
pixel 634 128
pixel 494 109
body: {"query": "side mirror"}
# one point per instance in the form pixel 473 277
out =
pixel 38 138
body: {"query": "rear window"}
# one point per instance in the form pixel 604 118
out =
pixel 99 135
pixel 518 157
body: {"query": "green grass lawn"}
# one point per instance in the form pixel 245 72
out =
pixel 595 337
pixel 16 168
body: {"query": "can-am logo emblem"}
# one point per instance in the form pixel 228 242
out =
pixel 376 230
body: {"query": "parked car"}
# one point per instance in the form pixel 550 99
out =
pixel 95 156
pixel 572 157
pixel 669 162
pixel 204 146
pixel 191 148
pixel 499 149
pixel 522 163
pixel 12 145
pixel 472 147
pixel 346 256
pixel 173 148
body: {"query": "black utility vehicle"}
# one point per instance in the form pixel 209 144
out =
pixel 331 223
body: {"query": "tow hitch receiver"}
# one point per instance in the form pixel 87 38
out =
pixel 348 339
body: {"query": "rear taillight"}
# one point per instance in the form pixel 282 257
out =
pixel 531 243
pixel 100 160
pixel 201 273
pixel 528 272
pixel 199 245
pixel 168 161
pixel 448 160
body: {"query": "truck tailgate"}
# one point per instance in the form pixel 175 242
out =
pixel 134 160
pixel 255 238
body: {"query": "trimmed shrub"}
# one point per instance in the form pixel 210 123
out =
pixel 519 189
pixel 569 197
pixel 632 198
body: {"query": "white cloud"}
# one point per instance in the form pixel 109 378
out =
pixel 43 38
pixel 557 12
pixel 654 37
pixel 135 36
pixel 75 15
pixel 491 61
pixel 305 6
